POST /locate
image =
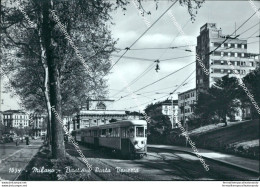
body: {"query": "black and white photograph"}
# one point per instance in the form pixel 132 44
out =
pixel 129 90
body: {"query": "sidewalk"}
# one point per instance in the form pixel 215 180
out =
pixel 12 165
pixel 235 161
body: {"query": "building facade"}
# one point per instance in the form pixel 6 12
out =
pixel 97 112
pixel 217 57
pixel 171 109
pixel 38 123
pixel 186 102
pixel 15 119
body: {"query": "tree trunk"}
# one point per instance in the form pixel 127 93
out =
pixel 46 83
pixel 58 147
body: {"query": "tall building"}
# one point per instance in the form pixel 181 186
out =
pixel 186 101
pixel 233 51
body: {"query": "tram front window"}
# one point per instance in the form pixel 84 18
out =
pixel 139 131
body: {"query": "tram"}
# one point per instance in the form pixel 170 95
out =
pixel 128 137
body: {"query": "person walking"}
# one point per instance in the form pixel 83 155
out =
pixel 17 141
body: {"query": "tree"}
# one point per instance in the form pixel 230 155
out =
pixel 159 122
pixel 251 82
pixel 221 101
pixel 46 45
pixel 42 40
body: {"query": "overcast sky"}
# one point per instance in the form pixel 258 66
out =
pixel 164 34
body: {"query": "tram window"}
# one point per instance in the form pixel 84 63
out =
pixel 131 132
pixel 139 132
pixel 145 132
pixel 123 132
pixel 103 132
pixel 116 132
pixel 109 132
pixel 95 133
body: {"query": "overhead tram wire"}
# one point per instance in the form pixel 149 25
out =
pixel 160 79
pixel 152 60
pixel 227 38
pixel 156 91
pixel 158 48
pixel 142 35
pixel 175 39
pixel 152 65
pixel 149 68
pixel 249 29
pixel 193 72
pixel 165 95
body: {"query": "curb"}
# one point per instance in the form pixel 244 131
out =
pixel 242 168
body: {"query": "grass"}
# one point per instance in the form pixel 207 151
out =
pixel 43 159
pixel 224 139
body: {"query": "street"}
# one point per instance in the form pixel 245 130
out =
pixel 13 159
pixel 166 165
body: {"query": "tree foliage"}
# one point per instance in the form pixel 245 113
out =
pixel 219 101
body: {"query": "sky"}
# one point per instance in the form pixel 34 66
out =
pixel 129 25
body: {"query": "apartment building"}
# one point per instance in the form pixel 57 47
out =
pixel 15 119
pixel 186 101
pixel 170 108
pixel 217 57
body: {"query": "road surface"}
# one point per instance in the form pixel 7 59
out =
pixel 158 165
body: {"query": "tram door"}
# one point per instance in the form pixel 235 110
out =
pixel 125 142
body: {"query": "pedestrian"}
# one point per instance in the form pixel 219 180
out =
pixel 17 141
pixel 27 140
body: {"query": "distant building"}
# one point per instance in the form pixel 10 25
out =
pixel 38 124
pixel 186 101
pixel 233 51
pixel 15 119
pixel 97 112
pixel 171 109
pixel 68 122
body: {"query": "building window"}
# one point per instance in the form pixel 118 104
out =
pixel 242 46
pixel 222 62
pixel 242 54
pixel 229 45
pixel 229 54
pixel 235 54
pixel 222 70
pixel 222 45
pixel 222 53
pixel 235 45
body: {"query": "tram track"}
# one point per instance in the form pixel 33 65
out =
pixel 178 164
pixel 212 172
